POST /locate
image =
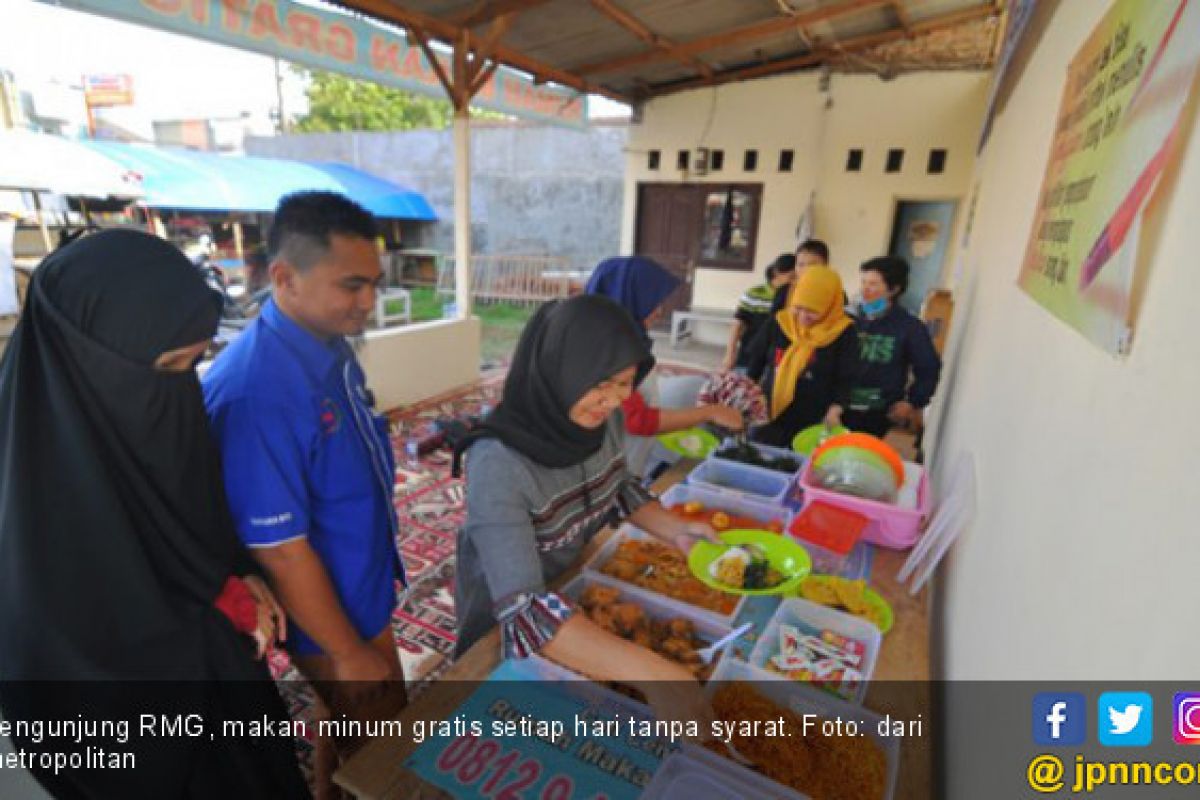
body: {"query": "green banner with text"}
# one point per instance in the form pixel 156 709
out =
pixel 1117 126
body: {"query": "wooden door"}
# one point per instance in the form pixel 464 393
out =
pixel 668 231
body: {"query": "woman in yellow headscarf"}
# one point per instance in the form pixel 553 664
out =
pixel 814 360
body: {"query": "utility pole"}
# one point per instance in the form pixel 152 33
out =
pixel 282 123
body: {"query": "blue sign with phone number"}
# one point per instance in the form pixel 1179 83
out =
pixel 523 736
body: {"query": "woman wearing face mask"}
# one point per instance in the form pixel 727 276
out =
pixel 545 472
pixel 814 358
pixel 124 584
pixel 893 344
pixel 642 287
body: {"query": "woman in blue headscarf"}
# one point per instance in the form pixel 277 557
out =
pixel 641 286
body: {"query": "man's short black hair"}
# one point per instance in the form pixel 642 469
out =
pixel 786 262
pixel 771 273
pixel 816 247
pixel 893 270
pixel 305 221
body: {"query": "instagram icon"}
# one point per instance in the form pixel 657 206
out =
pixel 1187 718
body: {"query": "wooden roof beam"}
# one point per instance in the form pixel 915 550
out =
pixel 749 33
pixel 487 10
pixel 902 16
pixel 635 26
pixel 443 78
pixel 443 31
pixel 865 42
pixel 487 46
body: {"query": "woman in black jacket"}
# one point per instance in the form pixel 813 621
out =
pixel 812 360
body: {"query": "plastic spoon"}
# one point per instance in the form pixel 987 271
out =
pixel 708 653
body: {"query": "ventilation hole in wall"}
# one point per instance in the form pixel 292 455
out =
pixel 716 160
pixel 854 160
pixel 937 162
pixel 895 160
pixel 786 157
pixel 652 159
pixel 682 159
pixel 750 161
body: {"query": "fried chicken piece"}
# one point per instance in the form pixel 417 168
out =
pixel 623 569
pixel 680 650
pixel 597 595
pixel 602 616
pixel 628 617
pixel 679 628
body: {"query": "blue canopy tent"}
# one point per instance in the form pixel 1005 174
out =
pixel 188 180
pixel 382 198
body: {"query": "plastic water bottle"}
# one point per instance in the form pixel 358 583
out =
pixel 412 452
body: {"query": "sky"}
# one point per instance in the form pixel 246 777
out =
pixel 174 77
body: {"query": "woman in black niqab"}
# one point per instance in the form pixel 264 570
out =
pixel 115 537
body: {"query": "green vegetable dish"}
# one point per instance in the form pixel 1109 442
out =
pixel 747 453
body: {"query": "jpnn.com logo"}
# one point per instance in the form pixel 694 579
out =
pixel 1059 719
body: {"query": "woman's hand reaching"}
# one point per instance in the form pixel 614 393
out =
pixel 272 619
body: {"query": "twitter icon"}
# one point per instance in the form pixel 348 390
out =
pixel 1126 719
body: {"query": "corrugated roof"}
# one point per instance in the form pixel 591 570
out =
pixel 635 49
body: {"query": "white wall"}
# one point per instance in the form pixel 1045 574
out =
pixel 1082 560
pixel 416 362
pixel 854 211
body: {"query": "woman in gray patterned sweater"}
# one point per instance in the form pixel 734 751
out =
pixel 545 472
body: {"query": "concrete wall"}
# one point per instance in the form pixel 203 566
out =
pixel 1086 526
pixel 398 365
pixel 854 211
pixel 536 190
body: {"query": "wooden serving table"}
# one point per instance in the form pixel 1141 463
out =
pixel 377 770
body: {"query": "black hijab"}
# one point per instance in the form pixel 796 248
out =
pixel 566 349
pixel 114 533
pixel 115 536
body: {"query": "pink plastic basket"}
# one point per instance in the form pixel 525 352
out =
pixel 890 525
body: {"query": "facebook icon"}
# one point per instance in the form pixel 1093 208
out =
pixel 1059 719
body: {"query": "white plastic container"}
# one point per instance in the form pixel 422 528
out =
pixel 656 606
pixel 732 476
pixel 812 618
pixel 627 531
pixel 693 773
pixel 741 504
pixel 802 699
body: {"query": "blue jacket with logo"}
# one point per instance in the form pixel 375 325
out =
pixel 304 455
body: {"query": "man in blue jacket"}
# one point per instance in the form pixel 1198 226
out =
pixel 308 464
pixel 900 367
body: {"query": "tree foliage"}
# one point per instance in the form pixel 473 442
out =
pixel 337 103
